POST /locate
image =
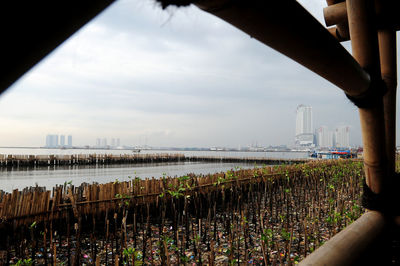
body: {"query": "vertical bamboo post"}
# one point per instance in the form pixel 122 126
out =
pixel 364 43
pixel 388 56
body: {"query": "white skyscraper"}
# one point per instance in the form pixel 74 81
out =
pixel 55 141
pixel 342 137
pixel 304 126
pixel 62 140
pixel 69 141
pixel 52 141
pixel 324 137
pixel 48 141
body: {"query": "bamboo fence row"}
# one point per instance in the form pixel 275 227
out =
pixel 38 204
pixel 85 159
pixel 94 159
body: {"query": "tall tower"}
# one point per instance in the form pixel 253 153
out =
pixel 48 141
pixel 324 137
pixel 62 140
pixel 69 141
pixel 304 126
pixel 342 137
pixel 52 141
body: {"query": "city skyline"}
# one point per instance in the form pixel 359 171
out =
pixel 52 141
pixel 168 78
pixel 307 136
pixel 102 142
pixel 322 138
pixel 304 136
pixel 339 137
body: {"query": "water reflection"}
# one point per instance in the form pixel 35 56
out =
pixel 13 178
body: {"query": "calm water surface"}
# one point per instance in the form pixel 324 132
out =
pixel 18 178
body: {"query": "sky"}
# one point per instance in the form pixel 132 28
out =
pixel 175 77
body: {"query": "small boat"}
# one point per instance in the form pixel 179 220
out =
pixel 136 150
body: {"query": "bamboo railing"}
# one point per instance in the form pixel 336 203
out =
pixel 37 204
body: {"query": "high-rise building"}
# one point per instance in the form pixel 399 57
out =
pixel 324 137
pixel 62 141
pixel 48 141
pixel 98 142
pixel 69 141
pixel 304 127
pixel 52 141
pixel 118 142
pixel 342 137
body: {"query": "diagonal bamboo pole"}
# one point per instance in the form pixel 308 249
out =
pixel 365 48
pixel 277 24
pixel 41 27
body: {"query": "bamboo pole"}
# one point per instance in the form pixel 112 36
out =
pixel 388 56
pixel 364 43
pixel 313 46
pixel 334 31
pixel 346 247
pixel 336 12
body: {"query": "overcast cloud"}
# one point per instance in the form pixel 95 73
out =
pixel 176 77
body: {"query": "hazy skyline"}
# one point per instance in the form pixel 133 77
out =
pixel 175 77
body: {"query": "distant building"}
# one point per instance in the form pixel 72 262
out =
pixel 304 127
pixel 118 142
pixel 112 142
pixel 324 137
pixel 98 143
pixel 48 141
pixel 104 143
pixel 51 141
pixel 69 141
pixel 62 141
pixel 342 137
